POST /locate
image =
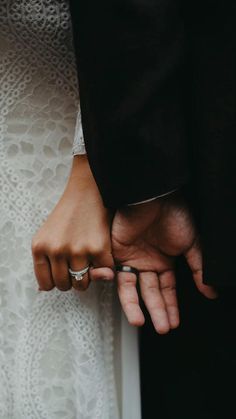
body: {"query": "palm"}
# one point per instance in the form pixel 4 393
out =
pixel 144 252
pixel 152 245
pixel 149 238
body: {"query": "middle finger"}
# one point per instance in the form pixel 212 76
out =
pixel 150 291
pixel 60 273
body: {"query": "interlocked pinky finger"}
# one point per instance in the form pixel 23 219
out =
pixel 99 274
pixel 128 296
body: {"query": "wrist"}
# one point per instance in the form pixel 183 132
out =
pixel 81 189
pixel 80 167
pixel 81 177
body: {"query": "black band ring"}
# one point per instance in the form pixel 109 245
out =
pixel 128 269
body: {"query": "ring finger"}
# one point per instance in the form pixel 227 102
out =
pixel 77 264
pixel 60 273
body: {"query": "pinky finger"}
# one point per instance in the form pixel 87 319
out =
pixel 99 274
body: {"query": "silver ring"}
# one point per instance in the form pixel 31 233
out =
pixel 78 275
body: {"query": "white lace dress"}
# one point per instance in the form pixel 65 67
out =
pixel 56 349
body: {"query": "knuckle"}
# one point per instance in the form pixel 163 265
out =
pixel 64 288
pixel 80 287
pixel 153 287
pixel 96 250
pixel 37 246
pixel 108 257
pixel 106 246
pixel 77 251
pixel 168 288
pixel 100 247
pixel 62 283
pixel 150 289
pixel 56 251
pixel 46 287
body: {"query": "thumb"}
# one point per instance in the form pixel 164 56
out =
pixel 193 257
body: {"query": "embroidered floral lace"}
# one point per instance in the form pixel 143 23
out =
pixel 56 349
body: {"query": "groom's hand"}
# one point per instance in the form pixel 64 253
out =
pixel 149 237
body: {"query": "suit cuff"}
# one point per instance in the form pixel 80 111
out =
pixel 152 199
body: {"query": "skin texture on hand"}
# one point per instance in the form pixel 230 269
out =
pixel 149 237
pixel 76 234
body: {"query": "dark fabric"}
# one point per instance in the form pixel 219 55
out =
pixel 212 132
pixel 158 97
pixel 131 66
pixel 190 373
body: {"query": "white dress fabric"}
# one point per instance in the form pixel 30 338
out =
pixel 56 349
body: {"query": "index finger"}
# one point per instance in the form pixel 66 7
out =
pixel 43 272
pixel 127 291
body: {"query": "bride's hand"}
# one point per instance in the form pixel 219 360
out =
pixel 76 234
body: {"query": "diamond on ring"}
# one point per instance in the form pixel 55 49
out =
pixel 78 275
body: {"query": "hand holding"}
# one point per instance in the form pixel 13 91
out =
pixel 149 237
pixel 76 234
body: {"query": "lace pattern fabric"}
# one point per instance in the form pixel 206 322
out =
pixel 79 144
pixel 56 349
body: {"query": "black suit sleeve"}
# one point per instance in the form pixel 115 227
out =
pixel 130 57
